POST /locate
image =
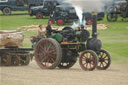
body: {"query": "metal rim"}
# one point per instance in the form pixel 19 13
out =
pixel 88 60
pixel 39 15
pixel 60 22
pixel 48 53
pixel 104 60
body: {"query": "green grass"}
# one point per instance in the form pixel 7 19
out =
pixel 114 39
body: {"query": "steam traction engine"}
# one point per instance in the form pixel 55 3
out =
pixel 62 48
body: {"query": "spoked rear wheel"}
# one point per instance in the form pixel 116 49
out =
pixel 88 60
pixel 48 53
pixel 104 60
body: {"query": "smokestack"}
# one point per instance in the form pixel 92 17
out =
pixel 94 25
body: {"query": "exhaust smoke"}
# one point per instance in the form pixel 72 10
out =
pixel 82 6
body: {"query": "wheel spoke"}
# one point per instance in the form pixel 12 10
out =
pixel 102 64
pixel 86 66
pixel 53 50
pixel 102 54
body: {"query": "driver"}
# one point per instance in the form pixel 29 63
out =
pixel 49 29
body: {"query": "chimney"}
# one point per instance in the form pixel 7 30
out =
pixel 94 25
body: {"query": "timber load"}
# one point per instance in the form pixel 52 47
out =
pixel 11 39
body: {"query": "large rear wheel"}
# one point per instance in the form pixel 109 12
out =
pixel 48 53
pixel 88 60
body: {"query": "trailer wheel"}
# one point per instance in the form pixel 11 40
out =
pixel 15 60
pixel 27 60
pixel 6 60
pixel 66 65
pixel 60 22
pixel 48 53
pixel 6 11
pixel 104 60
pixel 88 60
pixel 39 15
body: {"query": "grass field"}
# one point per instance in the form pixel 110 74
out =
pixel 114 39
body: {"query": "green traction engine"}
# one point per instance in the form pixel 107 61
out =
pixel 62 48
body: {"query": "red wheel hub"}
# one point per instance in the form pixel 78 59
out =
pixel 60 22
pixel 89 21
pixel 39 16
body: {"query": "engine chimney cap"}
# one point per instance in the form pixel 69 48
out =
pixel 94 13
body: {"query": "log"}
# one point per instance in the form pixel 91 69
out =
pixel 11 39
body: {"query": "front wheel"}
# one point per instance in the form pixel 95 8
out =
pixel 104 60
pixel 88 60
pixel 6 11
pixel 48 53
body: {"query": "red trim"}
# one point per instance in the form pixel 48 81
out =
pixel 52 20
pixel 89 21
pixel 60 22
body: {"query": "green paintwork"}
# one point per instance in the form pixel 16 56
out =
pixel 57 36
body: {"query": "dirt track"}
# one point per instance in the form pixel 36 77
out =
pixel 33 75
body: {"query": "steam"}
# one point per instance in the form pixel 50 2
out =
pixel 88 5
pixel 79 13
pixel 82 6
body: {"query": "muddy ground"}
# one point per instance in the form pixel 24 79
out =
pixel 117 74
